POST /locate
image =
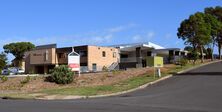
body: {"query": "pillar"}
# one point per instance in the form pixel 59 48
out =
pixel 139 56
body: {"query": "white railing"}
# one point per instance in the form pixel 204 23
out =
pixel 113 66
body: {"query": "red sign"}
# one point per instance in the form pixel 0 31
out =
pixel 73 65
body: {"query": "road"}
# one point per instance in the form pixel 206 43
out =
pixel 199 90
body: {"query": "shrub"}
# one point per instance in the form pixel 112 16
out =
pixel 62 75
pixel 105 69
pixel 183 62
pixel 26 80
pixel 4 78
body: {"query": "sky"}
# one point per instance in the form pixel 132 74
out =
pixel 96 22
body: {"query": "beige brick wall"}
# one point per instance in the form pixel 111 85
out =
pixel 95 56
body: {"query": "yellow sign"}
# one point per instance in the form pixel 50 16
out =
pixel 154 61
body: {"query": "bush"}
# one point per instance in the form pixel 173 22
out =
pixel 105 69
pixel 183 62
pixel 26 80
pixel 62 75
pixel 4 78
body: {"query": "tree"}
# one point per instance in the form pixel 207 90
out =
pixel 216 26
pixel 192 54
pixel 195 31
pixel 3 60
pixel 18 50
pixel 188 48
pixel 217 13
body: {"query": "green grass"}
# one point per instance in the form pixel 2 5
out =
pixel 89 91
pixel 180 68
pixel 118 87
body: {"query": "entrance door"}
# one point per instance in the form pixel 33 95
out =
pixel 94 67
pixel 40 69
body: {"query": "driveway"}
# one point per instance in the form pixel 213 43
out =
pixel 199 90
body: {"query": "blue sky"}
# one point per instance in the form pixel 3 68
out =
pixel 96 22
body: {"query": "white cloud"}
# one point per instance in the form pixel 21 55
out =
pixel 150 35
pixel 168 36
pixel 143 37
pixel 121 28
pixel 177 42
pixel 136 38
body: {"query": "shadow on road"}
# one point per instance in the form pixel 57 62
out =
pixel 201 73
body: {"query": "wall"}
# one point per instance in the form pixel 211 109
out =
pixel 39 56
pixel 95 56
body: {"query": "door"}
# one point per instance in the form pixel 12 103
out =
pixel 94 67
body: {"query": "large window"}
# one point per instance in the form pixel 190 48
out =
pixel 104 54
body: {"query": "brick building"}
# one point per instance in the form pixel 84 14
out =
pixel 92 58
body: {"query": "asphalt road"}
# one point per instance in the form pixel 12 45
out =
pixel 199 90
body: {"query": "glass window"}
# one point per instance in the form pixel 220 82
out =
pixel 104 54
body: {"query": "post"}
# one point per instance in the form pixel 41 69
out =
pixel 154 72
pixel 159 72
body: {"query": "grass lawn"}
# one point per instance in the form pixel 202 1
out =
pixel 89 91
pixel 118 87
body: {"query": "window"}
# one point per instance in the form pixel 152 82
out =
pixel 104 54
pixel 149 53
pixel 82 53
pixel 46 55
pixel 114 54
pixel 62 55
pixel 177 53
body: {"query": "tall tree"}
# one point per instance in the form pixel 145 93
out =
pixel 18 50
pixel 216 27
pixel 3 60
pixel 195 31
pixel 188 48
pixel 217 13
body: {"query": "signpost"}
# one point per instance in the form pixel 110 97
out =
pixel 155 62
pixel 74 61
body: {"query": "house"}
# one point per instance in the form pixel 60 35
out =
pixel 93 58
pixel 134 55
